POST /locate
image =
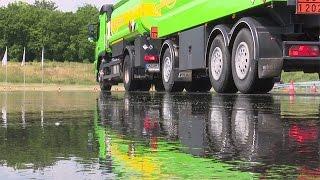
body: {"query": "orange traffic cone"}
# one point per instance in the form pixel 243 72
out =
pixel 313 89
pixel 292 90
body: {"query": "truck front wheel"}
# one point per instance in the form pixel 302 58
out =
pixel 104 84
pixel 244 67
pixel 129 83
pixel 168 73
pixel 220 72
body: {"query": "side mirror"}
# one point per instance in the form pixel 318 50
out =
pixel 90 39
pixel 92 33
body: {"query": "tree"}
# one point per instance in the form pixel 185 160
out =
pixel 63 34
pixel 44 4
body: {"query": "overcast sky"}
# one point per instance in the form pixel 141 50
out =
pixel 66 5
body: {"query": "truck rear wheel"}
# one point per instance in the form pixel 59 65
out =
pixel 244 67
pixel 220 71
pixel 105 86
pixel 168 73
pixel 129 83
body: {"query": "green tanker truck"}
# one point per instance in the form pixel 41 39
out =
pixel 234 45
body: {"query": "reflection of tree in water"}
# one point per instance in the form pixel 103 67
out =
pixel 31 145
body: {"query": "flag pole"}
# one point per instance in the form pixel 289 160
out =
pixel 24 69
pixel 42 110
pixel 5 63
pixel 6 68
pixel 42 75
pixel 24 78
pixel 7 75
pixel 23 113
pixel 42 59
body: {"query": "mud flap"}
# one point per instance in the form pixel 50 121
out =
pixel 270 67
pixel 182 76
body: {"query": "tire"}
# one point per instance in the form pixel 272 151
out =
pixel 105 87
pixel 168 74
pixel 220 71
pixel 129 83
pixel 104 84
pixel 244 67
pixel 200 85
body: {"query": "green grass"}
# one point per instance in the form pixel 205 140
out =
pixel 69 73
pixel 286 77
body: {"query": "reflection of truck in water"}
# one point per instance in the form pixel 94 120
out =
pixel 235 45
pixel 143 142
pixel 250 132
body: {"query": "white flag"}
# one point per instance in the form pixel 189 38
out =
pixel 23 63
pixel 5 58
pixel 42 57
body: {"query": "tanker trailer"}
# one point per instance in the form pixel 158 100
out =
pixel 234 45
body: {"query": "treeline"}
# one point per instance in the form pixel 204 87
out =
pixel 62 34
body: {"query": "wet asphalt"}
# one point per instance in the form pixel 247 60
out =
pixel 158 136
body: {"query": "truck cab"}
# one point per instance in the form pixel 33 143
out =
pixel 117 61
pixel 99 34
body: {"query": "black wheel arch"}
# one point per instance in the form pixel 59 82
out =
pixel 221 29
pixel 267 44
pixel 251 24
pixel 100 56
pixel 128 50
pixel 173 47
